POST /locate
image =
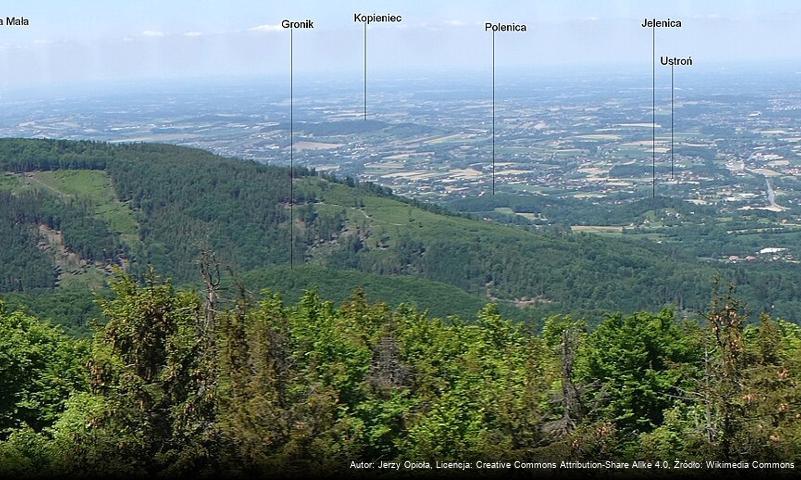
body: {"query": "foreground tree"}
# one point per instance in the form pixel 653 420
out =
pixel 39 367
pixel 150 405
pixel 179 383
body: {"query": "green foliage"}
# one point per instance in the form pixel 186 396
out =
pixel 74 309
pixel 635 358
pixel 439 299
pixel 138 205
pixel 148 375
pixel 176 386
pixel 84 234
pixel 24 266
pixel 172 384
pixel 95 188
pixel 39 368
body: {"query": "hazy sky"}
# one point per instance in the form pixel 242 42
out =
pixel 80 41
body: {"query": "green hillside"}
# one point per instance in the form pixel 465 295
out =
pixel 439 299
pixel 71 211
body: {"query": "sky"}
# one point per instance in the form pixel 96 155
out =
pixel 90 41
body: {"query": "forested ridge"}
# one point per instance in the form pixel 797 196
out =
pixel 180 202
pixel 174 384
pixel 180 364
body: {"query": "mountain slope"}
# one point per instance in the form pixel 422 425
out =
pixel 183 201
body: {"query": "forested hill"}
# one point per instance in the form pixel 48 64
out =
pixel 69 211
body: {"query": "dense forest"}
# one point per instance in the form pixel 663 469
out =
pixel 256 367
pixel 142 205
pixel 174 384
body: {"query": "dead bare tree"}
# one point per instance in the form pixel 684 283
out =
pixel 388 371
pixel 726 318
pixel 571 401
pixel 210 274
pixel 572 409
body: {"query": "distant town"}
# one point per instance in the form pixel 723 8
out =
pixel 569 139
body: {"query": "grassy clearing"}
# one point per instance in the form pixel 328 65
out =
pixel 90 277
pixel 505 210
pixel 598 229
pixel 95 187
pixel 394 217
pixel 10 183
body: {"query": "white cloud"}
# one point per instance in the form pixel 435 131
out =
pixel 193 34
pixel 152 33
pixel 455 23
pixel 266 28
